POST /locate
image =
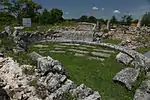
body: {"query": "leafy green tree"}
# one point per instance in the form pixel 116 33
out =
pixel 21 8
pixel 101 21
pixel 45 17
pixel 114 20
pixel 56 15
pixel 51 17
pixel 129 20
pixel 92 19
pixel 146 19
pixel 83 18
pixel 6 18
pixel 123 20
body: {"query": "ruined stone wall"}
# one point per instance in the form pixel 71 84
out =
pixel 47 82
pixel 140 60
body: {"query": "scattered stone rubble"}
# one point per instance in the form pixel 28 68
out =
pixel 51 83
pixel 56 81
pixel 14 82
pixel 143 92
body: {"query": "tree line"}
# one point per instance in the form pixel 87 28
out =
pixel 14 10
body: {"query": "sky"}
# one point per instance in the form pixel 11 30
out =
pixel 98 8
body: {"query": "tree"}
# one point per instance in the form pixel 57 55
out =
pixel 6 18
pixel 92 19
pixel 51 17
pixel 83 18
pixel 45 17
pixel 101 21
pixel 129 20
pixel 56 15
pixel 113 20
pixel 123 20
pixel 146 19
pixel 21 8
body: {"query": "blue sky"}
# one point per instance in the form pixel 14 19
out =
pixel 98 8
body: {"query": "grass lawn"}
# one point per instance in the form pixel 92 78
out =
pixel 95 74
pixel 112 41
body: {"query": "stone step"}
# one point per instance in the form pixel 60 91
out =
pixel 99 54
pixel 60 46
pixel 70 44
pixel 40 46
pixel 88 46
pixel 78 51
pixel 53 51
pixel 105 51
pixel 96 58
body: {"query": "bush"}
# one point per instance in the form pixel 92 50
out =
pixel 105 31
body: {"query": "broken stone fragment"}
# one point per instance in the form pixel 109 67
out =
pixel 143 92
pixel 127 76
pixel 44 64
pixel 124 58
pixel 84 93
pixel 35 55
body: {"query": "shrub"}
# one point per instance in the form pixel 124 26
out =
pixel 105 31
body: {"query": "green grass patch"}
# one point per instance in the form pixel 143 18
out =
pixel 95 74
pixel 112 41
pixel 143 50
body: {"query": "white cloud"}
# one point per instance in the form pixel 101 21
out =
pixel 102 9
pixel 94 8
pixel 66 13
pixel 116 11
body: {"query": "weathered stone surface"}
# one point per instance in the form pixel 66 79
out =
pixel 60 91
pixel 143 92
pixel 78 51
pixel 96 58
pixel 124 58
pixel 84 93
pixel 59 46
pixel 100 54
pixel 53 51
pixel 79 55
pixel 35 56
pixel 44 64
pixel 41 46
pixel 127 76
pixel 88 46
pixel 94 96
pixel 70 44
pixel 140 61
pixel 105 51
pixel 17 84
